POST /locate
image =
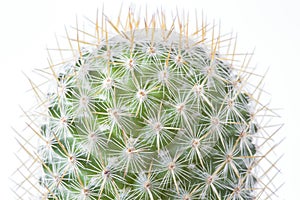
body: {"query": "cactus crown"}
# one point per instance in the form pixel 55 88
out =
pixel 150 112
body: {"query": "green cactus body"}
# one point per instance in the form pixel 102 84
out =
pixel 149 113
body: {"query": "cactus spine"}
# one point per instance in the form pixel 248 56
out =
pixel 150 112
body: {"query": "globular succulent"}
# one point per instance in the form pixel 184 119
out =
pixel 150 108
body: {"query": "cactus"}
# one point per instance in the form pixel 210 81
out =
pixel 150 112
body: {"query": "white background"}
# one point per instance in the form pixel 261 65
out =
pixel 272 27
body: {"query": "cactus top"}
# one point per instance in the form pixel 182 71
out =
pixel 149 113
